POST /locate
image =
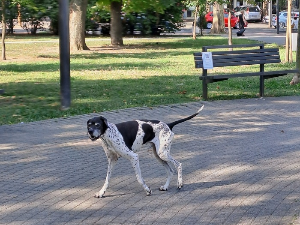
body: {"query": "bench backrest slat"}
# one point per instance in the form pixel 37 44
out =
pixel 240 51
pixel 205 48
pixel 245 57
pixel 240 57
pixel 224 64
pixel 239 63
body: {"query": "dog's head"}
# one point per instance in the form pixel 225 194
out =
pixel 96 127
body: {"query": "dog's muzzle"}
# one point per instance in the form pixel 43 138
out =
pixel 93 134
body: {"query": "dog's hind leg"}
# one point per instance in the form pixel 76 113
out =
pixel 164 147
pixel 178 167
pixel 112 160
pixel 169 169
pixel 169 159
pixel 134 159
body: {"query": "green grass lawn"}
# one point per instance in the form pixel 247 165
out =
pixel 145 72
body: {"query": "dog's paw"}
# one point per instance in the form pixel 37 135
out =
pixel 149 192
pixel 162 188
pixel 179 185
pixel 99 195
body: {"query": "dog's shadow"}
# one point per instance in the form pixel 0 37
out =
pixel 113 195
pixel 206 185
pixel 190 187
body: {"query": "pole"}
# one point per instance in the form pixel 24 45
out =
pixel 298 46
pixel 277 16
pixel 64 53
pixel 3 30
pixel 289 30
pixel 270 13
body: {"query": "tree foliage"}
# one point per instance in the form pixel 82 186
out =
pixel 151 18
pixel 200 10
pixel 31 13
pixel 10 13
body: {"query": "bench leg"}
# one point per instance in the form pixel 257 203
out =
pixel 204 89
pixel 261 86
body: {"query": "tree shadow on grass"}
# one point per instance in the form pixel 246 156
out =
pixel 26 101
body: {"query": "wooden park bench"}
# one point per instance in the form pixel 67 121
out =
pixel 249 54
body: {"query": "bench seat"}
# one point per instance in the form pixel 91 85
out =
pixel 266 75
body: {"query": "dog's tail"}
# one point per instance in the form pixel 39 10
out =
pixel 171 125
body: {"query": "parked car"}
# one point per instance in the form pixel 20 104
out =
pixel 267 18
pixel 283 19
pixel 252 13
pixel 234 21
pixel 237 10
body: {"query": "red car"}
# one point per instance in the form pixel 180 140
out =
pixel 234 22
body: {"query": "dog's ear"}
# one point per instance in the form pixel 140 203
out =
pixel 104 120
pixel 104 124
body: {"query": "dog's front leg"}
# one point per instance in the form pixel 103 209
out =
pixel 111 163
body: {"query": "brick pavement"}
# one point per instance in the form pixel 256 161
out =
pixel 241 165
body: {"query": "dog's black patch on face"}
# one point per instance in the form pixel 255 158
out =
pixel 129 131
pixel 96 124
pixel 149 134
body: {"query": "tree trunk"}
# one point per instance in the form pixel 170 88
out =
pixel 77 24
pixel 298 47
pixel 10 26
pixel 295 79
pixel 195 23
pixel 19 15
pixel 3 30
pixel 218 19
pixel 116 28
pixel 229 30
pixel 288 33
pixel 221 19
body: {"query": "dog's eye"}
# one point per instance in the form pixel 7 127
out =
pixel 97 124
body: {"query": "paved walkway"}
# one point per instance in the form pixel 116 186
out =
pixel 255 31
pixel 241 165
pixel 262 32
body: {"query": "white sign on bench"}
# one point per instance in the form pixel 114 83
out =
pixel 207 60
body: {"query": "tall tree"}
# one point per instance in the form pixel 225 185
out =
pixel 288 44
pixel 296 78
pixel 116 27
pixel 218 25
pixel 127 6
pixel 230 14
pixel 31 13
pixel 116 7
pixel 229 28
pixel 3 30
pixel 199 14
pixel 77 24
pixel 196 12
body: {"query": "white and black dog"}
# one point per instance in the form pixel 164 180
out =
pixel 124 139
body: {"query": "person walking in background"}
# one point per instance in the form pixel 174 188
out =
pixel 242 23
pixel 295 22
